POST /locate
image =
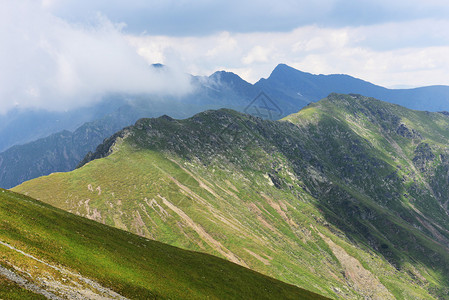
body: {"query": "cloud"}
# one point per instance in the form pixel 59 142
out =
pixel 48 63
pixel 394 35
pixel 197 17
pixel 358 51
pixel 256 54
pixel 59 54
pixel 205 17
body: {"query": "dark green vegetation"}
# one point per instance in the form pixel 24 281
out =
pixel 346 198
pixel 61 250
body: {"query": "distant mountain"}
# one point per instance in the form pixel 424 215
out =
pixel 300 88
pixel 285 91
pixel 222 89
pixel 347 198
pixel 22 126
pixel 50 254
pixel 289 88
pixel 58 152
pixel 62 151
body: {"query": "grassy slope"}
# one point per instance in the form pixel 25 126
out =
pixel 424 186
pixel 131 265
pixel 342 174
pixel 128 177
pixel 12 291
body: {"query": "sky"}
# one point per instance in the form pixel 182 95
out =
pixel 59 54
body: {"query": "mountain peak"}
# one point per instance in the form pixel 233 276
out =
pixel 158 66
pixel 225 76
pixel 285 70
pixel 284 67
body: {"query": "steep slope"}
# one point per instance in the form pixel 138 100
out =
pixel 301 88
pixel 48 252
pixel 346 198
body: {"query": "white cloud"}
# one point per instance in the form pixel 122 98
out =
pixel 204 17
pixel 198 17
pixel 357 51
pixel 47 63
pixel 256 54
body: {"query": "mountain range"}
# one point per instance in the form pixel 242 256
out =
pixel 300 87
pixel 286 88
pixel 346 198
pixel 290 88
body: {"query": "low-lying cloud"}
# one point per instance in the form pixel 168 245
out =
pixel 48 63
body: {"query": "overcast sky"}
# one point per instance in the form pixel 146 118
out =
pixel 55 51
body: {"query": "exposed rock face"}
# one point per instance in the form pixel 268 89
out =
pixel 423 156
pixel 404 131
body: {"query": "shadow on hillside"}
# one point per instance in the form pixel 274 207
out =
pixel 360 194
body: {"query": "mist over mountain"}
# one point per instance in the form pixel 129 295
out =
pixel 63 150
pixel 289 88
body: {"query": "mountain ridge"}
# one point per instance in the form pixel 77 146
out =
pixel 286 88
pixel 315 87
pixel 355 180
pixel 112 102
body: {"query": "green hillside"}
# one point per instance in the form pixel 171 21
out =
pixel 347 198
pixel 60 254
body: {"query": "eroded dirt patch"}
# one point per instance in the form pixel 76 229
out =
pixel 360 278
pixel 203 234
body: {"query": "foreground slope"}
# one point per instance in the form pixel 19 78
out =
pixel 346 198
pixel 59 254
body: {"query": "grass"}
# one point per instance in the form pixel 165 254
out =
pixel 135 267
pixel 131 176
pixel 12 291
